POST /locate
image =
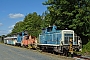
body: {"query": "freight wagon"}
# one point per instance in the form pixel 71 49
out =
pixel 61 41
pixel 10 40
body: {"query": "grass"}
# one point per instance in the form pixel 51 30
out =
pixel 86 49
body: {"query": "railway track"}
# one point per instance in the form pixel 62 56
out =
pixel 82 58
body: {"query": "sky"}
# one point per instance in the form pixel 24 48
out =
pixel 13 11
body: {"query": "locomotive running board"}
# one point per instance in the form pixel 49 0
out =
pixel 49 44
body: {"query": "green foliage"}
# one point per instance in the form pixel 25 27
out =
pixel 31 23
pixel 71 14
pixel 19 27
pixel 86 48
pixel 2 38
pixel 46 19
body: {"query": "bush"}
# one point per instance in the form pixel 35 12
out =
pixel 86 48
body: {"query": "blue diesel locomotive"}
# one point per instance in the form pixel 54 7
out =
pixel 20 37
pixel 53 40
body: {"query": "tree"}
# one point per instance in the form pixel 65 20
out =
pixel 2 38
pixel 33 23
pixel 45 19
pixel 19 27
pixel 71 14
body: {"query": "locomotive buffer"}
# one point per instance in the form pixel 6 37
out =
pixel 71 47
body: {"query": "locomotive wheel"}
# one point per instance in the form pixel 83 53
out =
pixel 65 52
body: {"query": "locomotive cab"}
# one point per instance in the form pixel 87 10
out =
pixel 66 35
pixel 76 40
